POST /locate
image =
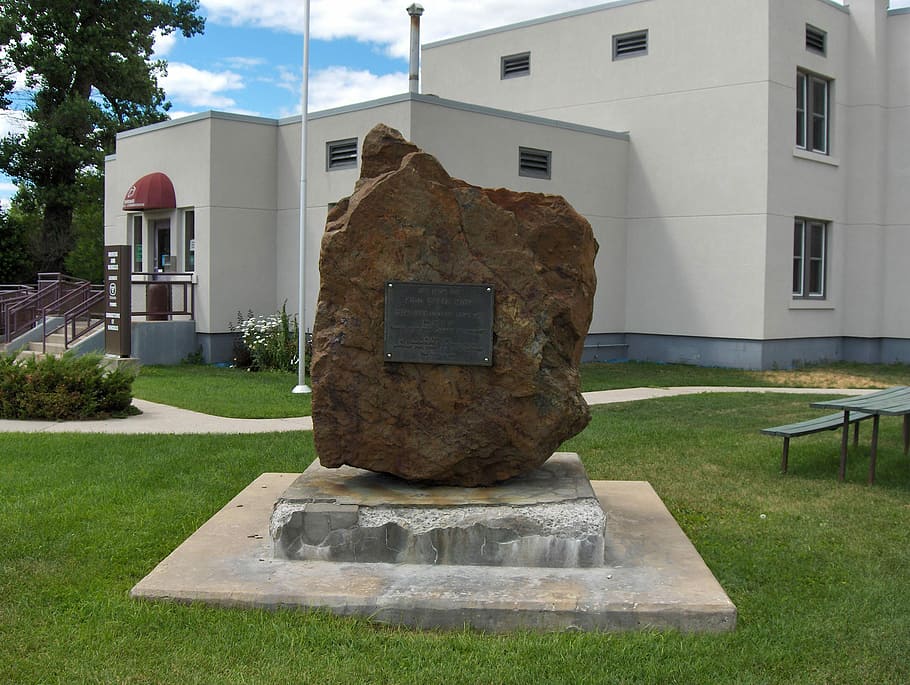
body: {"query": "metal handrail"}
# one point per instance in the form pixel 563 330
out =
pixel 94 305
pixel 10 296
pixel 24 315
pixel 183 279
pixel 81 292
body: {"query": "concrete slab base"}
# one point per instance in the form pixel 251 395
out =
pixel 653 577
pixel 548 517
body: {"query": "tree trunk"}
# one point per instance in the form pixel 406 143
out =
pixel 56 238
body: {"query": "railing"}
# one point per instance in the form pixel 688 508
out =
pixel 24 314
pixel 84 302
pixel 11 296
pixel 166 295
pixel 22 307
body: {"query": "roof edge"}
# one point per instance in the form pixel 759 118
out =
pixel 193 118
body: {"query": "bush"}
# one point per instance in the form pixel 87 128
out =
pixel 63 388
pixel 268 342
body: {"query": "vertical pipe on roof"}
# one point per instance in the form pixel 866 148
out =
pixel 415 11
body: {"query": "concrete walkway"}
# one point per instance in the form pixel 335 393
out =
pixel 162 418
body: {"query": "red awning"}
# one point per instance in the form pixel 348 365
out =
pixel 152 191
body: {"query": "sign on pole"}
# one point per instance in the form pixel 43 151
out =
pixel 118 309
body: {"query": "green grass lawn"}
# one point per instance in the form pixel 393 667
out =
pixel 241 394
pixel 820 581
pixel 235 393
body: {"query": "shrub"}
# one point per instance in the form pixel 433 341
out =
pixel 63 388
pixel 268 342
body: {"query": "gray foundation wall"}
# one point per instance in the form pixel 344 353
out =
pixel 216 347
pixel 163 342
pixel 747 354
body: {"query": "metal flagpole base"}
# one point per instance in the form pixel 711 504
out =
pixel 302 389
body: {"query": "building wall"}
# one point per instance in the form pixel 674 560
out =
pixel 323 187
pixel 222 167
pixel 242 229
pixel 588 169
pixel 805 184
pixel 696 108
pixel 896 279
pixel 715 180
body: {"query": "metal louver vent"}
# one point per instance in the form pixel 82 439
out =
pixel 533 163
pixel 630 44
pixel 516 65
pixel 816 39
pixel 341 154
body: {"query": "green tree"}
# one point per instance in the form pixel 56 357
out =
pixel 16 232
pixel 89 67
pixel 86 259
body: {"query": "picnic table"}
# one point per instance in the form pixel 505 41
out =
pixel 891 402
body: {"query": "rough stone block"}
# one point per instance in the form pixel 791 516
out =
pixel 549 518
pixel 408 221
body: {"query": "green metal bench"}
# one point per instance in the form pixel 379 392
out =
pixel 822 423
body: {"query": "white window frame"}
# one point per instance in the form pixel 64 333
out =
pixel 808 115
pixel 806 261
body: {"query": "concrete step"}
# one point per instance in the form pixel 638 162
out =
pixel 28 354
pixel 55 348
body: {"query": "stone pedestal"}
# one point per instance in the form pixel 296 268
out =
pixel 549 517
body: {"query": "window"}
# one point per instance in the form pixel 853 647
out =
pixel 816 40
pixel 813 94
pixel 810 248
pixel 189 240
pixel 137 243
pixel 341 154
pixel 512 66
pixel 533 163
pixel 632 44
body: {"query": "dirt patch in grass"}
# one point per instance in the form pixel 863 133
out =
pixel 819 378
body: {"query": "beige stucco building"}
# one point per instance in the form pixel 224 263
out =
pixel 742 162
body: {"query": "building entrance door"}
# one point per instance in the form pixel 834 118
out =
pixel 164 257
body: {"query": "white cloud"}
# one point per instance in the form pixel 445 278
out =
pixel 200 88
pixel 382 21
pixel 163 44
pixel 7 190
pixel 245 62
pixel 12 121
pixel 386 22
pixel 338 86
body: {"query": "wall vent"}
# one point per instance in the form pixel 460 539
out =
pixel 816 40
pixel 341 154
pixel 534 163
pixel 516 65
pixel 632 44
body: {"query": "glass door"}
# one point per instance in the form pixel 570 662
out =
pixel 164 257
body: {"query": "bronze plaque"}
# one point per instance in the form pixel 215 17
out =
pixel 439 323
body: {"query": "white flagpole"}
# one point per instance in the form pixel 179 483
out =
pixel 302 387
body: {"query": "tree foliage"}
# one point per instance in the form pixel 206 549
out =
pixel 16 236
pixel 89 69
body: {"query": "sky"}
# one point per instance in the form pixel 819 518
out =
pixel 249 59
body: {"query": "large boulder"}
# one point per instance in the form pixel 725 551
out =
pixel 409 221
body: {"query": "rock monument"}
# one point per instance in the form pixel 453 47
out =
pixel 450 323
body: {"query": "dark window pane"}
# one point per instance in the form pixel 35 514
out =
pixel 797 276
pixel 819 134
pixel 815 277
pixel 816 241
pixel 819 96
